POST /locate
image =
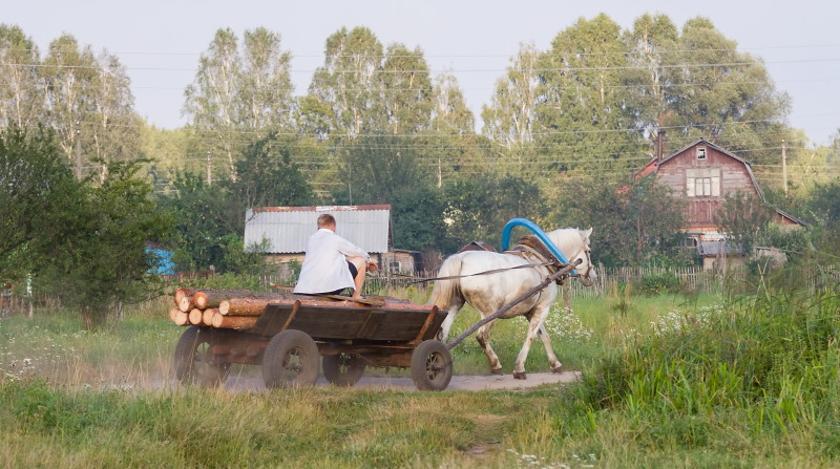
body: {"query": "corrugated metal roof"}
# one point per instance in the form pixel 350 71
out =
pixel 287 228
pixel 718 247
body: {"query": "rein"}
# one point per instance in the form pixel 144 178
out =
pixel 486 272
pixel 531 245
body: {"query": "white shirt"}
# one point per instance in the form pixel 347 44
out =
pixel 325 264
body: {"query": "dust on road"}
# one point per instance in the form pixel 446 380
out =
pixel 458 383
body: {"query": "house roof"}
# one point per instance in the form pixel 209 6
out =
pixel 286 229
pixel 653 166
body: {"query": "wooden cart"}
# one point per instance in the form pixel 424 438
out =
pixel 297 334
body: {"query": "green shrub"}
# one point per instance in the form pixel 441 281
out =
pixel 659 283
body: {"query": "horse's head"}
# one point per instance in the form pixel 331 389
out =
pixel 574 243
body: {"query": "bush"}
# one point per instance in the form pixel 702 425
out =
pixel 659 283
pixel 769 361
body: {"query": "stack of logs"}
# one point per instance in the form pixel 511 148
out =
pixel 224 309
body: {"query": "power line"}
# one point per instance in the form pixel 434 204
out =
pixel 316 54
pixel 422 134
pixel 467 70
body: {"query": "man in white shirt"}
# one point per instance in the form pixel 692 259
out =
pixel 332 263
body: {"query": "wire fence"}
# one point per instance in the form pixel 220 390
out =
pixel 609 282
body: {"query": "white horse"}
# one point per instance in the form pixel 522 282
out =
pixel 487 293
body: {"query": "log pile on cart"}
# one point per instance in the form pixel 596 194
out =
pixel 221 309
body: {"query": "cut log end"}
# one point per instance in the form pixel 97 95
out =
pixel 186 304
pixel 207 318
pixel 196 316
pixel 200 300
pixel 173 314
pixel 182 318
pixel 181 293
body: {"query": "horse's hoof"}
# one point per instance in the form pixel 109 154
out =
pixel 557 369
pixel 519 375
pixel 496 371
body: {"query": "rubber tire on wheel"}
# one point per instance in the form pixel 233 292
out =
pixel 431 366
pixel 191 364
pixel 290 345
pixel 343 369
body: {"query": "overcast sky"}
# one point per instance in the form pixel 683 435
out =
pixel 798 40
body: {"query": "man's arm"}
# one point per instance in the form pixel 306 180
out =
pixel 351 250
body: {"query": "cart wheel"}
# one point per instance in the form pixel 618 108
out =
pixel 291 359
pixel 431 366
pixel 343 369
pixel 194 363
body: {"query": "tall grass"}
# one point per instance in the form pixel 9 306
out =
pixel 763 368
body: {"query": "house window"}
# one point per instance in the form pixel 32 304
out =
pixel 703 186
pixel 395 266
pixel 701 153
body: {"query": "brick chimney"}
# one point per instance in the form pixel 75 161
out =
pixel 661 144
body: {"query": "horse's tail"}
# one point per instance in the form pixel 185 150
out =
pixel 445 291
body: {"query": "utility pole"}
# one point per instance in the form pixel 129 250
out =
pixel 784 166
pixel 209 170
pixel 78 151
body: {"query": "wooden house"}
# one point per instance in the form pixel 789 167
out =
pixel 704 174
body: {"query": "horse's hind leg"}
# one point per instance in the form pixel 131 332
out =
pixel 483 338
pixel 555 364
pixel 534 322
pixel 450 318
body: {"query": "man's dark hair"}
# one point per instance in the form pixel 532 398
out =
pixel 325 220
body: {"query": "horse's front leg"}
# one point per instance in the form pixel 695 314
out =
pixel 534 322
pixel 556 366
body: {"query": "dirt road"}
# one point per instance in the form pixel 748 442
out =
pixel 458 383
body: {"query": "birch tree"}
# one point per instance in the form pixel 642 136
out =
pixel 21 97
pixel 265 92
pixel 509 118
pixel 407 90
pixel 212 99
pixel 347 89
pixel 450 114
pixel 239 93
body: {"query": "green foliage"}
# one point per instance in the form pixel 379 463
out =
pixel 581 100
pixel 202 217
pixel 478 206
pixel 635 224
pixel 102 259
pixel 268 176
pixel 744 218
pixel 36 187
pixel 659 283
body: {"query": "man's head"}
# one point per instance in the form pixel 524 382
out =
pixel 326 221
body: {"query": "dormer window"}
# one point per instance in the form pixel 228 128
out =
pixel 701 153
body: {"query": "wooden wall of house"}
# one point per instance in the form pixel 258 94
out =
pixel 700 211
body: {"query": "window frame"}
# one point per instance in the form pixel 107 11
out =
pixel 702 150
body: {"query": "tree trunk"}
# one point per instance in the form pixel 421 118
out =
pixel 234 322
